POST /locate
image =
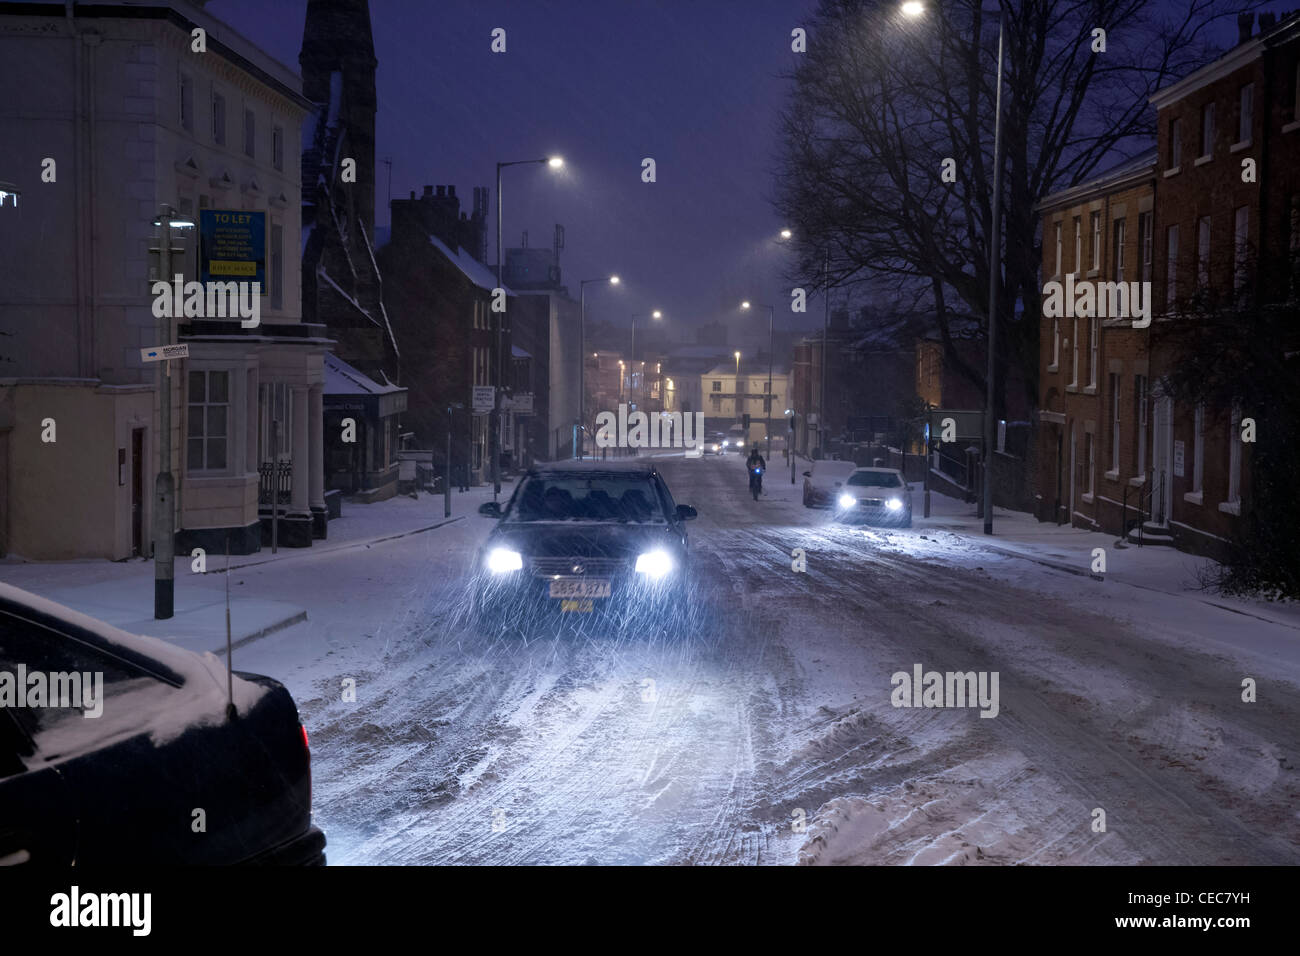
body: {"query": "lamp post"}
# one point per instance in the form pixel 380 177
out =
pixel 582 351
pixel 555 162
pixel 914 8
pixel 631 357
pixel 767 401
pixel 164 515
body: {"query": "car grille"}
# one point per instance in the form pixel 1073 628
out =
pixel 597 567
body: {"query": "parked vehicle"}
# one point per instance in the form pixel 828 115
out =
pixel 121 786
pixel 875 495
pixel 821 483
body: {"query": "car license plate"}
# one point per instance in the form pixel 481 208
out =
pixel 576 605
pixel 580 588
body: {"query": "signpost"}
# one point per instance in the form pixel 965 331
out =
pixel 165 353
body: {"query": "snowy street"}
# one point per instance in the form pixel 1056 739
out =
pixel 769 736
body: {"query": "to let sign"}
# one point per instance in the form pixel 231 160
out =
pixel 232 246
pixel 484 399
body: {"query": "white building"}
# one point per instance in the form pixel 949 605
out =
pixel 108 113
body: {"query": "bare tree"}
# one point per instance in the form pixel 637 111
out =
pixel 881 103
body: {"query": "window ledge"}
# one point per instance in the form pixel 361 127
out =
pixel 1072 388
pixel 1194 497
pixel 1086 499
pixel 1090 390
pixel 1292 126
pixel 1138 481
pixel 1230 507
pixel 1202 160
pixel 1093 273
pixel 1054 367
pixel 1112 475
pixel 1173 171
pixel 1238 147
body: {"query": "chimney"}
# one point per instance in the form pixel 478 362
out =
pixel 428 190
pixel 412 193
pixel 451 190
pixel 442 191
pixel 1267 21
pixel 1245 23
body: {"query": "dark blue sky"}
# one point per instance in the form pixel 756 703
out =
pixel 692 83
pixel 604 84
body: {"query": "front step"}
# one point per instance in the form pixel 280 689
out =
pixel 1152 534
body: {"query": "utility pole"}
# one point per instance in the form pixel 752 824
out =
pixel 995 275
pixel 826 331
pixel 164 515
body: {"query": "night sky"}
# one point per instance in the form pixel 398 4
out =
pixel 604 83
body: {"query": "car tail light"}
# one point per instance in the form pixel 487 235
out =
pixel 306 744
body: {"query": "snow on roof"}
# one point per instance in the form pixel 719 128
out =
pixel 321 273
pixel 143 706
pixel 517 352
pixel 475 271
pixel 342 379
pixel 747 369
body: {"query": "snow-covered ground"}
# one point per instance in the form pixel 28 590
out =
pixel 768 733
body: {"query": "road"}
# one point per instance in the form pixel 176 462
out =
pixel 767 735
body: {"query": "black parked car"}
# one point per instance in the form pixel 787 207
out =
pixel 581 538
pixel 136 759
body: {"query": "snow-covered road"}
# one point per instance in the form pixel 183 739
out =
pixel 768 736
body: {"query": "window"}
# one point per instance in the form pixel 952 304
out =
pixel 1203 253
pixel 250 133
pixel 1078 245
pixel 1207 129
pixel 1240 244
pixel 1118 251
pixel 1058 250
pixel 1198 449
pixel 277 266
pixel 1145 241
pixel 1114 423
pixel 1246 113
pixel 209 411
pixel 1074 372
pixel 1094 341
pixel 767 387
pixel 277 147
pixel 187 103
pixel 1094 225
pixel 1171 268
pixel 218 118
pixel 1234 457
pixel 1089 462
pixel 1140 409
pixel 1175 143
pixel 717 386
pixel 1056 342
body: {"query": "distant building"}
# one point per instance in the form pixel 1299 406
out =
pixel 729 396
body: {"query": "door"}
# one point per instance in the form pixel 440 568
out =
pixel 1162 433
pixel 137 492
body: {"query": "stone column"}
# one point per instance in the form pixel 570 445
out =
pixel 298 498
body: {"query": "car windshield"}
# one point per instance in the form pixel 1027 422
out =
pixel 875 479
pixel 601 497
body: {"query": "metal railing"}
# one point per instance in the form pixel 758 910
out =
pixel 276 475
pixel 1145 499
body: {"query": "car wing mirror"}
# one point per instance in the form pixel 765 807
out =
pixel 686 513
pixel 491 509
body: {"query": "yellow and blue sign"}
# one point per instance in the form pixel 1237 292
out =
pixel 232 246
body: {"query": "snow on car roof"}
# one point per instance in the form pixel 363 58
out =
pixel 622 468
pixel 155 708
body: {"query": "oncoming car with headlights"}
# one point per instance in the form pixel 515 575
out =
pixel 875 495
pixel 582 538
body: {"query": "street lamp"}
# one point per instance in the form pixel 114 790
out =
pixel 582 350
pixel 554 162
pixel 631 357
pixel 914 9
pixel 767 402
pixel 164 515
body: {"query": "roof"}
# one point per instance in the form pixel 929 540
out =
pixel 620 468
pixel 1136 167
pixel 748 369
pixel 471 268
pixel 342 379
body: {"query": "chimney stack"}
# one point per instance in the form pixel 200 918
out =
pixel 1245 23
pixel 1267 21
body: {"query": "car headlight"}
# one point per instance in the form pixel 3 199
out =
pixel 654 564
pixel 893 504
pixel 501 560
pixel 847 501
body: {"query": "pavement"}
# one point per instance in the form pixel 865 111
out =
pixel 121 593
